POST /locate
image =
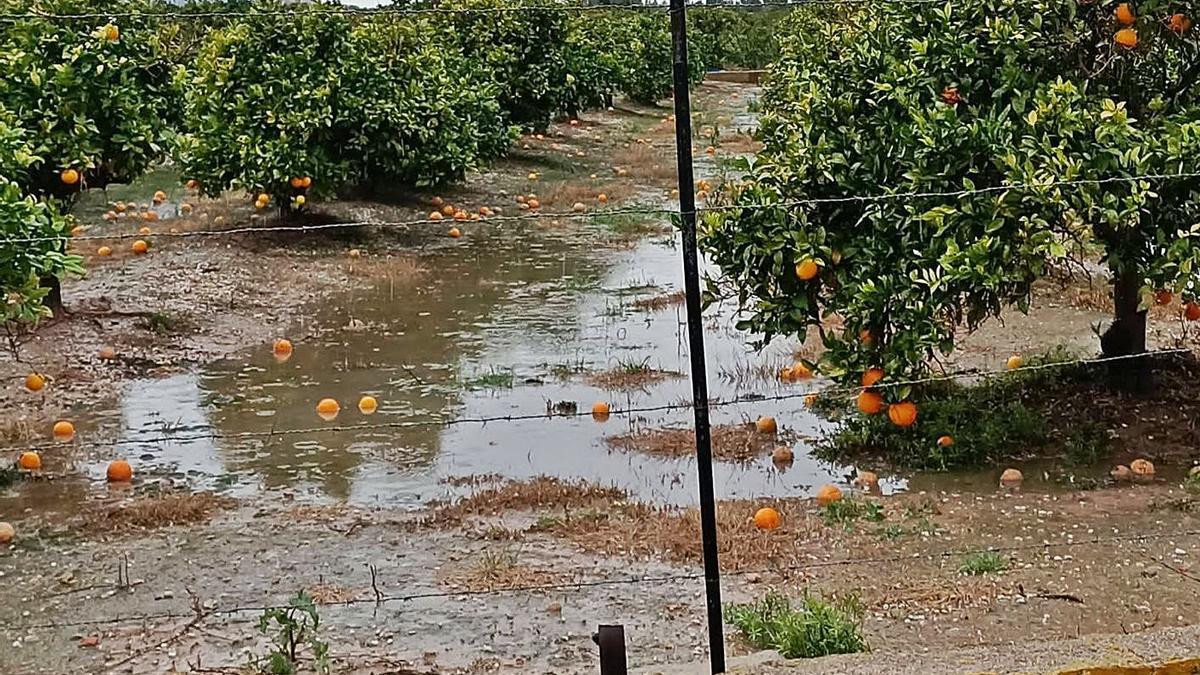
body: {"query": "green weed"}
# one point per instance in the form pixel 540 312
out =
pixel 496 379
pixel 892 532
pixel 166 323
pixel 1087 444
pixel 292 629
pixel 985 562
pixel 1192 483
pixel 815 628
pixel 845 512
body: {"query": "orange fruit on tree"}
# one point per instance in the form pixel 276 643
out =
pixel 367 405
pixel 35 382
pixel 600 411
pixel 1192 311
pixel 119 471
pixel 455 233
pixel 945 441
pixel 869 402
pixel 1124 14
pixel 1163 297
pixel 30 461
pixel 872 377
pixel 300 200
pixel 807 269
pixel 903 414
pixel 306 182
pixel 1127 38
pixel 328 409
pixel 865 336
pixel 69 177
pixel 64 430
pixel 296 183
pixel 1180 23
pixel 7 533
pixel 767 518
pixel 766 425
pixel 828 494
pixel 139 247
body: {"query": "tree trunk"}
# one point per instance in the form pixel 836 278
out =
pixel 53 299
pixel 1127 335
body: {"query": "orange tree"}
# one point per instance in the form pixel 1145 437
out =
pixel 93 96
pixel 24 264
pixel 273 98
pixel 963 98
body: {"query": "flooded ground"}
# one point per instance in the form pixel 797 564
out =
pixel 534 320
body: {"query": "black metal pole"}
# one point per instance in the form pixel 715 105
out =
pixel 691 282
pixel 611 640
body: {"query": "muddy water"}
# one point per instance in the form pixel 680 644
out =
pixel 504 322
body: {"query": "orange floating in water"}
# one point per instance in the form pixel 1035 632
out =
pixel 282 349
pixel 30 461
pixel 601 411
pixel 367 405
pixel 64 431
pixel 328 409
pixel 119 471
pixel 828 494
pixel 35 382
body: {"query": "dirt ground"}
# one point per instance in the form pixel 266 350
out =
pixel 446 589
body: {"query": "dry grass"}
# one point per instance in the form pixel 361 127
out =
pixel 647 163
pixel 543 492
pixel 659 302
pixel 642 531
pixel 563 195
pixel 21 429
pixel 620 379
pixel 930 594
pixel 472 480
pixel 740 143
pixel 157 511
pixel 730 442
pixel 496 571
pixel 331 594
pixel 743 373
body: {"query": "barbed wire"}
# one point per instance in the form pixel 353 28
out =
pixel 833 390
pixel 383 598
pixel 634 210
pixel 359 12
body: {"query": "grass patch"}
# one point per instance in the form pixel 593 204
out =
pixel 730 442
pixel 659 302
pixel 498 570
pixel 846 512
pixel 1192 483
pixel 984 562
pixel 630 375
pixel 994 419
pixel 543 492
pixel 166 323
pixel 1087 444
pixel 158 511
pixel 496 379
pixel 630 224
pixel 814 628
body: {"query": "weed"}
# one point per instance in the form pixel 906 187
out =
pixel 815 628
pixel 892 532
pixel 564 371
pixel 629 224
pixel 659 302
pixel 8 475
pixel 496 379
pixel 846 511
pixel 166 323
pixel 292 629
pixel 1087 444
pixel 1192 482
pixel 984 562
